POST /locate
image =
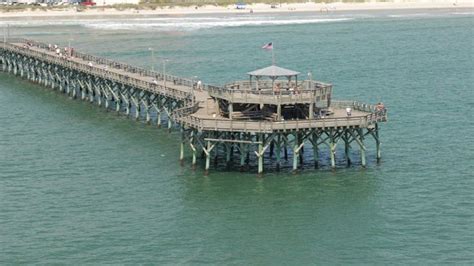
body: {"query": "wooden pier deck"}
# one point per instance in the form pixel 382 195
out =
pixel 197 110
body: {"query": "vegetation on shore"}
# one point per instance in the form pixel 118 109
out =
pixel 162 4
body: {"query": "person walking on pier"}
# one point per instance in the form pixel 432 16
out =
pixel 349 111
pixel 199 85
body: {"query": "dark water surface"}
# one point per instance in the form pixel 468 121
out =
pixel 82 185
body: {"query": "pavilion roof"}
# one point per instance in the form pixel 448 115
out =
pixel 273 72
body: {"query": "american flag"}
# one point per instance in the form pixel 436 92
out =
pixel 268 46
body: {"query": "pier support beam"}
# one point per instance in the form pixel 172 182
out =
pixel 228 151
pixel 170 123
pixel 311 111
pixel 346 139
pixel 243 151
pixel 158 118
pixel 117 104
pixel 181 147
pixel 192 143
pixel 377 143
pixel 260 154
pixel 208 156
pixel 295 153
pixel 332 148
pixel 314 142
pixel 278 112
pixel 278 152
pixel 362 147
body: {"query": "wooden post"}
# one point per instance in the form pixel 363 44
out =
pixel 260 156
pixel 278 152
pixel 228 157
pixel 137 109
pixel 272 148
pixel 301 151
pixel 90 90
pixel 147 117
pixel 295 153
pixel 192 144
pixel 279 112
pixel 170 123
pixel 107 101
pixel 362 147
pixel 243 148
pixel 74 92
pixel 216 107
pixel 99 97
pixel 377 142
pixel 194 157
pixel 347 147
pixel 311 111
pixel 332 148
pixel 181 147
pixel 208 157
pixel 127 104
pixel 231 110
pixel 158 117
pixel 315 150
pixel 117 104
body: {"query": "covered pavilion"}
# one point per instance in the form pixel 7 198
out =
pixel 272 72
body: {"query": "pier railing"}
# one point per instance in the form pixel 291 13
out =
pixel 268 85
pixel 183 112
pixel 111 63
pixel 355 105
pixel 110 74
pixel 266 95
pixel 263 126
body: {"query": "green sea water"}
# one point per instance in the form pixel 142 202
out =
pixel 79 185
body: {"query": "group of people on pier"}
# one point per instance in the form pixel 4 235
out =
pixel 380 108
pixel 292 89
pixel 65 53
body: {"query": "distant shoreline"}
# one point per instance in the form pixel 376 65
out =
pixel 255 8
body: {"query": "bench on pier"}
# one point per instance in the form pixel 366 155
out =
pixel 254 115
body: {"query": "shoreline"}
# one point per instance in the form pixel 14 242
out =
pixel 256 8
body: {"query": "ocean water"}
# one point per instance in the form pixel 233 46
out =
pixel 81 185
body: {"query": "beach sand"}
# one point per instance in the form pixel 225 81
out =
pixel 256 8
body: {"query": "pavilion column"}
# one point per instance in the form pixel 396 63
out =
pixel 279 112
pixel 231 110
pixel 216 107
pixel 311 111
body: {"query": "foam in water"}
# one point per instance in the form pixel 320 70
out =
pixel 189 23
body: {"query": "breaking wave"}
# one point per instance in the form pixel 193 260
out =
pixel 203 24
pixel 183 24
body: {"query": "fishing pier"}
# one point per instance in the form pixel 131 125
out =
pixel 271 116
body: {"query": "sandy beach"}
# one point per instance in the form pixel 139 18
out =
pixel 254 8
